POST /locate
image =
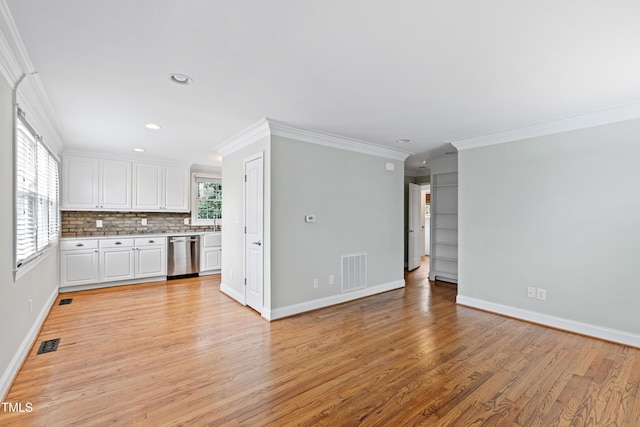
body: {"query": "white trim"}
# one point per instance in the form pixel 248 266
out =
pixel 232 293
pixel 266 127
pixel 253 133
pixel 14 63
pixel 23 351
pixel 33 263
pixel 290 310
pixel 334 141
pixel 573 123
pixel 595 331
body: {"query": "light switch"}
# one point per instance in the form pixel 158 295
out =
pixel 144 221
pixel 186 221
pixel 390 166
pixel 310 218
pixel 98 223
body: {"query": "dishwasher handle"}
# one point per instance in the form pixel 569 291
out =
pixel 178 240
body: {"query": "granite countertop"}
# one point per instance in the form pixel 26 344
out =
pixel 128 236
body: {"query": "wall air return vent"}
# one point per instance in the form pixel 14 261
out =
pixel 354 272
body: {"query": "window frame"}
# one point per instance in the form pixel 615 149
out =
pixel 194 199
pixel 45 242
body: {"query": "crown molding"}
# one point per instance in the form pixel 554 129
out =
pixel 248 136
pixel 573 123
pixel 266 127
pixel 286 130
pixel 14 63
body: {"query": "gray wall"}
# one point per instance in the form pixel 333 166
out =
pixel 233 217
pixel 38 285
pixel 359 208
pixel 558 212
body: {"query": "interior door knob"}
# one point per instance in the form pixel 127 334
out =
pixel 257 243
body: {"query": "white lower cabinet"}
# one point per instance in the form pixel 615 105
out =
pixel 79 262
pixel 211 252
pixel 150 257
pixel 116 260
pixel 85 262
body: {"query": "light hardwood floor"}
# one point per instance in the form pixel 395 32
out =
pixel 181 353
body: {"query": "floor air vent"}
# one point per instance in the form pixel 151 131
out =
pixel 49 345
pixel 354 272
pixel 65 301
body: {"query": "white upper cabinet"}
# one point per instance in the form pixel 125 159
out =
pixel 115 184
pixel 80 181
pixel 95 184
pixel 176 188
pixel 147 183
pixel 158 187
pixel 90 183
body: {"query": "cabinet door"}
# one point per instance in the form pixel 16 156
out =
pixel 147 186
pixel 116 264
pixel 211 259
pixel 176 189
pixel 78 267
pixel 115 184
pixel 80 183
pixel 151 261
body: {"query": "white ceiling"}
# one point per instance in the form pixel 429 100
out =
pixel 379 71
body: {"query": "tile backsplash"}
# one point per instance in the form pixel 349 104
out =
pixel 83 223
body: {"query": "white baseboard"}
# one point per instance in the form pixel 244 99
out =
pixel 595 331
pixel 229 291
pixel 23 351
pixel 290 310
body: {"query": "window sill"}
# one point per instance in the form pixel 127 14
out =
pixel 26 268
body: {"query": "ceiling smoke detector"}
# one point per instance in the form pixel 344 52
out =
pixel 180 79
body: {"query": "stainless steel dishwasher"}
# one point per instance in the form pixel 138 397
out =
pixel 183 256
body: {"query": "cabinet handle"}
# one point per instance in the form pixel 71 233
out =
pixel 118 243
pixel 151 241
pixel 79 245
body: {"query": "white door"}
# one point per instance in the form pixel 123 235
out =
pixel 415 228
pixel 254 239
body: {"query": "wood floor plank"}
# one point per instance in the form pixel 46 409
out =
pixel 181 353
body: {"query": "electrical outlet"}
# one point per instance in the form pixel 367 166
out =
pixel 531 292
pixel 331 279
pixel 98 223
pixel 186 221
pixel 315 283
pixel 542 294
pixel 143 221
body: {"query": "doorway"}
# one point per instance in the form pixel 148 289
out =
pixel 426 217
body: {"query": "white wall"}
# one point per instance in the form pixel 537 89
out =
pixel 39 285
pixel 358 206
pixel 559 212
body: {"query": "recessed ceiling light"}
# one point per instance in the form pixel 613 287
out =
pixel 152 126
pixel 424 161
pixel 180 79
pixel 403 141
pixel 139 150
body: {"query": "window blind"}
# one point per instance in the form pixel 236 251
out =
pixel 37 187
